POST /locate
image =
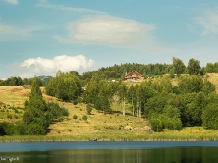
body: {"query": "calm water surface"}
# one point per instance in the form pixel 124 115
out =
pixel 110 152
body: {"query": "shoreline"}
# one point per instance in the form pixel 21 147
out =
pixel 43 138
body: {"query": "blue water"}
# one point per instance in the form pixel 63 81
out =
pixel 44 146
pixel 110 152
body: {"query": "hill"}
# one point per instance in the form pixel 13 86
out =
pixel 96 125
pixel 113 126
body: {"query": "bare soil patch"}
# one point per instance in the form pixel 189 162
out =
pixel 16 89
pixel 27 86
pixel 2 103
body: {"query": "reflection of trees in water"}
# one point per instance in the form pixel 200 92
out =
pixel 160 155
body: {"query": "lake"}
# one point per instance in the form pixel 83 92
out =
pixel 110 152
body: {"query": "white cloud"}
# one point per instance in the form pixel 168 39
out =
pixel 46 4
pixel 208 20
pixel 109 30
pixel 42 66
pixel 13 2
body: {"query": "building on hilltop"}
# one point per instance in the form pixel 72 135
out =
pixel 134 75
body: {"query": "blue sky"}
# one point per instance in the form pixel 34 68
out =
pixel 39 37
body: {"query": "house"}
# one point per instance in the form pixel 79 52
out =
pixel 134 75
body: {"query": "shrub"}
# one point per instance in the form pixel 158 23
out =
pixel 75 117
pixel 7 128
pixel 156 124
pixel 89 109
pixel 36 129
pixel 172 124
pixel 16 117
pixel 84 117
pixel 75 102
pixel 9 116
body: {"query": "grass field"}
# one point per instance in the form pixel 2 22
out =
pixel 112 126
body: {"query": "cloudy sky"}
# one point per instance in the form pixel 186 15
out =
pixel 39 37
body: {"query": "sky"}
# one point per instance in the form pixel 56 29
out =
pixel 40 37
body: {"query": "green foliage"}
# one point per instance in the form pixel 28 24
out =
pixel 84 117
pixel 9 116
pixel 75 116
pixel 55 111
pixel 18 81
pixel 172 123
pixel 156 124
pixel 38 114
pixel 65 86
pixel 178 65
pixel 210 116
pixel 88 109
pixel 100 93
pixel 3 127
pixel 103 104
pixel 189 84
pixel 194 67
pixel 208 87
pixel 169 119
pixel 211 67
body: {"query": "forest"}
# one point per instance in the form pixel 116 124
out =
pixel 171 96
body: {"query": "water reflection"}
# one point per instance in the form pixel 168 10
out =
pixel 185 154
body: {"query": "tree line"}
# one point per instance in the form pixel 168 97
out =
pixel 119 71
pixel 18 81
pixel 149 70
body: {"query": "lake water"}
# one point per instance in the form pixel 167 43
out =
pixel 110 152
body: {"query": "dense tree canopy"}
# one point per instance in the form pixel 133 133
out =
pixel 65 86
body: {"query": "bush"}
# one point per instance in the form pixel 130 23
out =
pixel 75 117
pixel 89 109
pixel 75 102
pixel 16 117
pixel 156 124
pixel 36 129
pixel 3 129
pixel 7 128
pixel 84 117
pixel 9 116
pixel 165 121
pixel 172 124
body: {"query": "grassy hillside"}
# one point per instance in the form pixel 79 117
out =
pixel 97 124
pixel 113 126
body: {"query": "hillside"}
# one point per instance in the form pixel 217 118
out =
pixel 112 126
pixel 96 123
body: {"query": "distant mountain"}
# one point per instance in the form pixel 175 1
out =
pixel 45 78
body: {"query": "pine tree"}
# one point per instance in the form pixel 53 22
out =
pixel 34 116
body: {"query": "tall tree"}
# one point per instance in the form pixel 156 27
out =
pixel 178 65
pixel 34 115
pixel 194 67
pixel 122 91
pixel 38 114
pixel 132 97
